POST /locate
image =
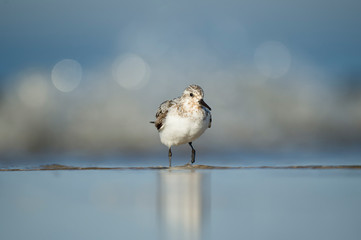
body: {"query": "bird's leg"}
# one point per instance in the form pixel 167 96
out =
pixel 193 153
pixel 170 157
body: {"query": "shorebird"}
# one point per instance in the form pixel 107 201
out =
pixel 183 119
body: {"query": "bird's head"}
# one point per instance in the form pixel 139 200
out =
pixel 194 93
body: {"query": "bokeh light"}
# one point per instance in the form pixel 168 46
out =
pixel 271 78
pixel 66 75
pixel 272 59
pixel 131 71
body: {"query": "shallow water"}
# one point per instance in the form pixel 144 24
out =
pixel 182 202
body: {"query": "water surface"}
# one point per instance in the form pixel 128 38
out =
pixel 202 202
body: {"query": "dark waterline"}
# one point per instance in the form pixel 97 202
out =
pixel 233 159
pixel 57 167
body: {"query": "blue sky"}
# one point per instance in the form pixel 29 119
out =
pixel 39 33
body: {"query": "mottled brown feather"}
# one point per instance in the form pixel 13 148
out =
pixel 163 111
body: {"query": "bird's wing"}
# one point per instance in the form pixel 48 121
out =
pixel 163 111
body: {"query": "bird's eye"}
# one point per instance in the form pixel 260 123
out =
pixel 191 94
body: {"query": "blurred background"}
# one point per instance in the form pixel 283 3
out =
pixel 88 76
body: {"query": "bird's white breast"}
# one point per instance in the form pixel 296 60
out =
pixel 179 129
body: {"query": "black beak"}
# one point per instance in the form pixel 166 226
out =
pixel 204 104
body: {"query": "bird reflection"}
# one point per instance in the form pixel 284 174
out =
pixel 183 204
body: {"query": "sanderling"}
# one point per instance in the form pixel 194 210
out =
pixel 183 119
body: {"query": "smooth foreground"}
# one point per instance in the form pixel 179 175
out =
pixel 186 202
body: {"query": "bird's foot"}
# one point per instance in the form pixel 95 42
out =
pixel 189 164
